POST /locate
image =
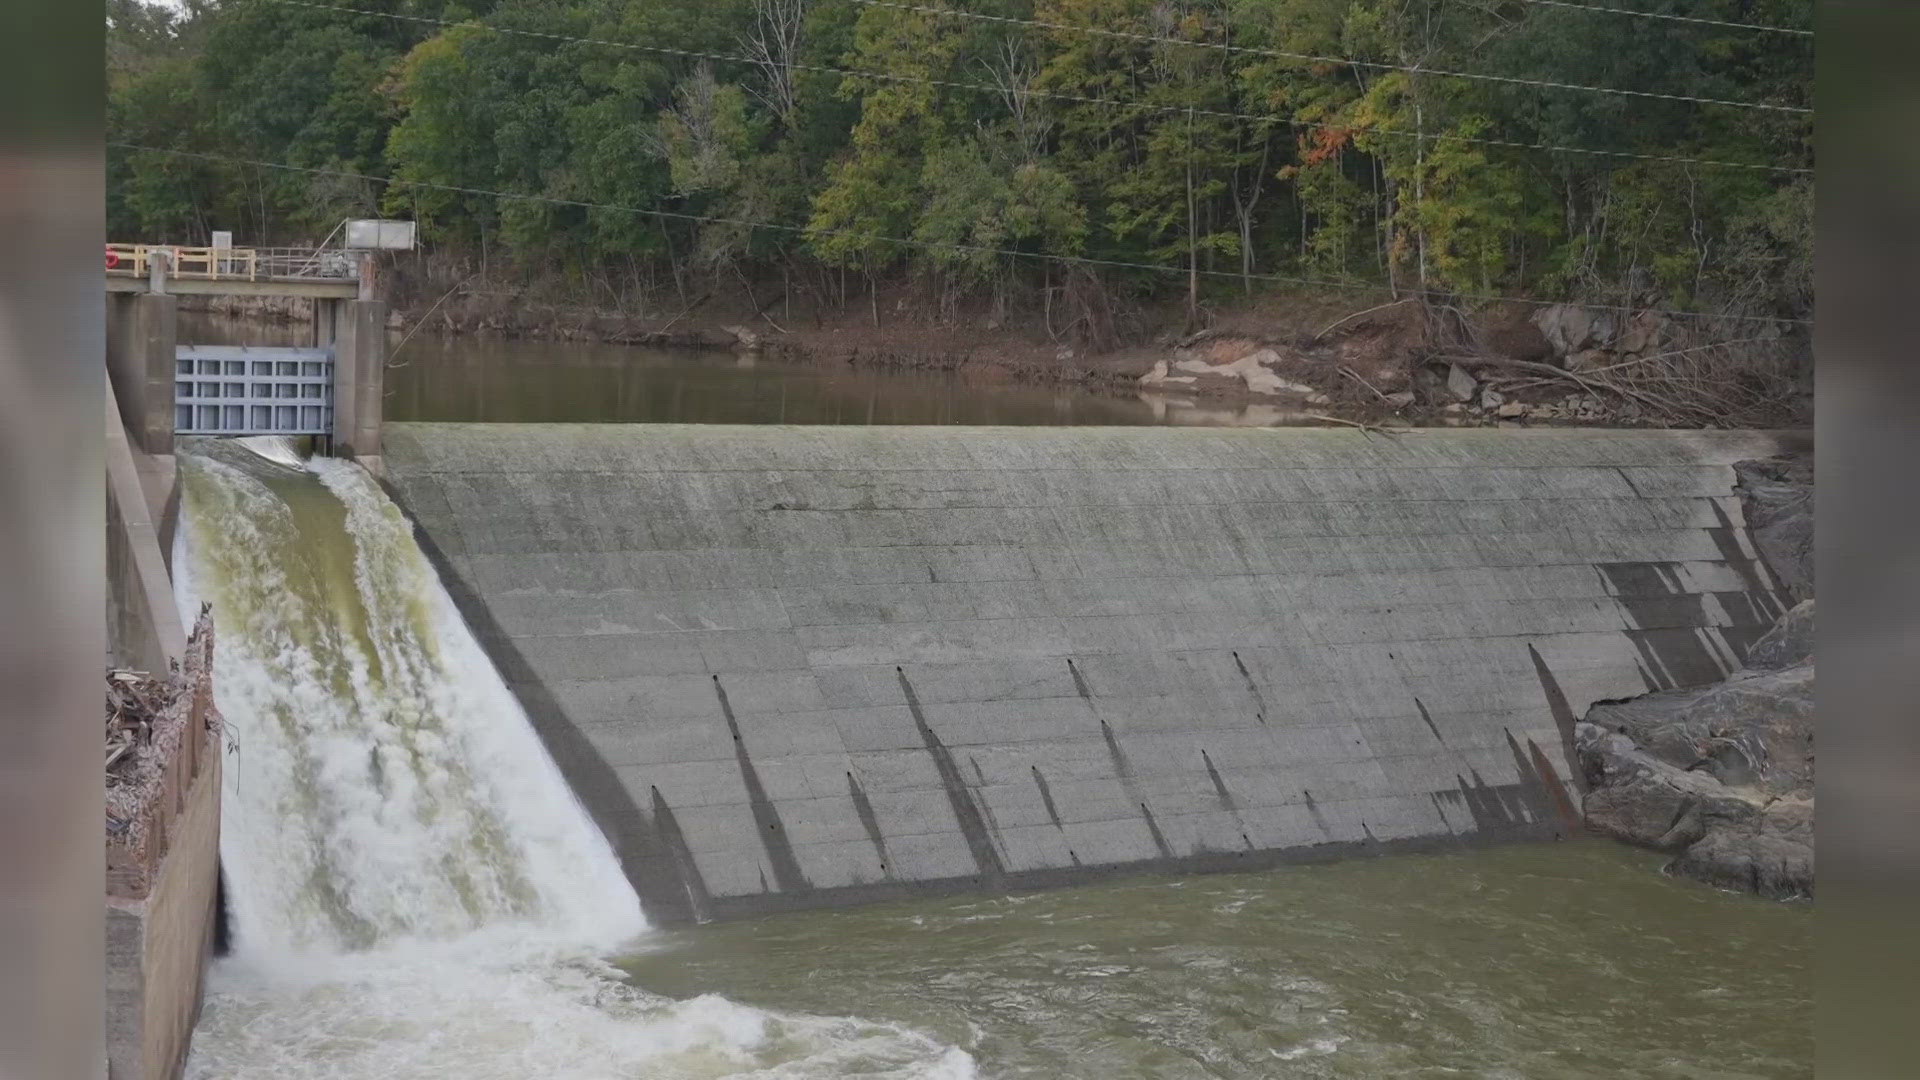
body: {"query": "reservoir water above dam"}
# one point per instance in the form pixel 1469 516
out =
pixel 486 379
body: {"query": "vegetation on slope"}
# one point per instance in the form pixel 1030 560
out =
pixel 1000 152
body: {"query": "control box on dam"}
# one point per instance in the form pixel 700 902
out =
pixel 790 667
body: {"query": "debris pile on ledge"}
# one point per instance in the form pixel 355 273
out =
pixel 135 702
pixel 161 734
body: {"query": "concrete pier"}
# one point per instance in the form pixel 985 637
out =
pixel 143 341
pixel 790 667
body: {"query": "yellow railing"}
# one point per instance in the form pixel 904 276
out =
pixel 236 264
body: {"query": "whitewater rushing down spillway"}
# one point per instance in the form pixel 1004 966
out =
pixel 387 785
pixel 413 889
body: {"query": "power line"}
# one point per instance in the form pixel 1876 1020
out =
pixel 931 245
pixel 1124 35
pixel 1673 18
pixel 1052 95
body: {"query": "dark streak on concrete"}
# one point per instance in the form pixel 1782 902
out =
pixel 1122 768
pixel 699 901
pixel 1428 717
pixel 1313 809
pixel 1550 777
pixel 985 807
pixel 1563 717
pixel 1490 807
pixel 1656 600
pixel 766 816
pixel 1159 840
pixel 972 826
pixel 1259 699
pixel 1080 873
pixel 1079 682
pixel 1726 539
pixel 1219 785
pixel 863 806
pixel 1046 796
pixel 651 866
pixel 1533 787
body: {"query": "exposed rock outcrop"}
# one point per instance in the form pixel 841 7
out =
pixel 1722 776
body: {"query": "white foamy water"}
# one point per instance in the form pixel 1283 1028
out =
pixel 414 891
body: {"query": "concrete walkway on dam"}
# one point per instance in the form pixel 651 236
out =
pixel 791 666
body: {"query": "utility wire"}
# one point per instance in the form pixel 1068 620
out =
pixel 933 245
pixel 1764 28
pixel 1125 35
pixel 1051 95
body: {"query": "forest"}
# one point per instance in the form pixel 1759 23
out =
pixel 1081 153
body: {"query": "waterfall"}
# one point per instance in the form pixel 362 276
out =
pixel 413 889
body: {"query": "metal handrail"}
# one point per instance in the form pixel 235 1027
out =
pixel 240 264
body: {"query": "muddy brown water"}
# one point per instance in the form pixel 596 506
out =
pixel 483 379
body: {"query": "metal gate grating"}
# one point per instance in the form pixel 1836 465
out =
pixel 245 390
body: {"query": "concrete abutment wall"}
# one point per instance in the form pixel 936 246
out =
pixel 789 667
pixel 143 336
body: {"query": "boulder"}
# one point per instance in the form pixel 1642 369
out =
pixel 1722 776
pixel 1249 369
pixel 1511 410
pixel 1566 327
pixel 1731 837
pixel 1645 332
pixel 1461 384
pixel 1491 398
pixel 1788 643
pixel 1639 798
pixel 1159 376
pixel 1770 854
pixel 744 337
pixel 1756 729
pixel 1399 399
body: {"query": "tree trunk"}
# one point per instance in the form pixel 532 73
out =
pixel 1193 253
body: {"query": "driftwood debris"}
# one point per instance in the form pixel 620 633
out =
pixel 135 700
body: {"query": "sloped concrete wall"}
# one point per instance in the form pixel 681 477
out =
pixel 801 666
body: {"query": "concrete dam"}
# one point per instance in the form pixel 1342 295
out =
pixel 788 667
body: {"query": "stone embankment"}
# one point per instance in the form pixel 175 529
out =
pixel 1722 777
pixel 1557 363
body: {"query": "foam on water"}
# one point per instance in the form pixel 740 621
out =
pixel 414 890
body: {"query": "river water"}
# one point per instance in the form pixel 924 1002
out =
pixel 1572 960
pixel 415 894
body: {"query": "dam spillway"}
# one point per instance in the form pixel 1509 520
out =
pixel 412 890
pixel 788 667
pixel 390 790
